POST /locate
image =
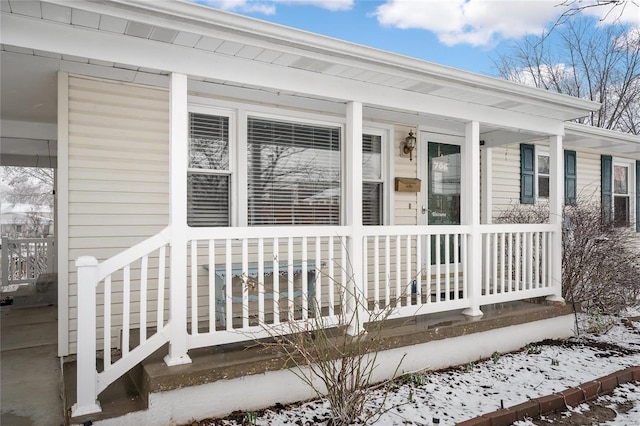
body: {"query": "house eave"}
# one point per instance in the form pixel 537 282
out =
pixel 193 16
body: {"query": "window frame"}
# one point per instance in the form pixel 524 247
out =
pixel 238 114
pixel 630 165
pixel 541 151
pixel 230 172
pixel 384 133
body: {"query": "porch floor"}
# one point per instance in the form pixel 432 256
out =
pixel 225 362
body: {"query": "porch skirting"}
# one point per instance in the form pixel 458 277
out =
pixel 251 392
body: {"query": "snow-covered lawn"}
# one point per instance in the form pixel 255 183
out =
pixel 457 394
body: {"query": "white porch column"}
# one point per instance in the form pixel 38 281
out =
pixel 556 202
pixel 178 161
pixel 487 188
pixel 87 375
pixel 353 174
pixel 470 213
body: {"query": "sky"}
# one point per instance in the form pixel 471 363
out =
pixel 465 34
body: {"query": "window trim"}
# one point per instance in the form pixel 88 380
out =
pixel 231 115
pixel 385 156
pixel 630 165
pixel 541 151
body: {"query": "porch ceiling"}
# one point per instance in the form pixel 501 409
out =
pixel 204 30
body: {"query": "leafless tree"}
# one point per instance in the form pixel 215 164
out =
pixel 613 9
pixel 600 64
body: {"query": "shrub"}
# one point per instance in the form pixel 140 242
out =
pixel 600 262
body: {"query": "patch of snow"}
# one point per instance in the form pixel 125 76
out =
pixel 457 394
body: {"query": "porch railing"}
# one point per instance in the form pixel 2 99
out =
pixel 24 259
pixel 247 283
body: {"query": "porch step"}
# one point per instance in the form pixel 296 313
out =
pixel 225 362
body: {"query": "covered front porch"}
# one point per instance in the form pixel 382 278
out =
pixel 204 286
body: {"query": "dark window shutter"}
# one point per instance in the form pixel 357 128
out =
pixel 606 169
pixel 638 195
pixel 527 174
pixel 570 177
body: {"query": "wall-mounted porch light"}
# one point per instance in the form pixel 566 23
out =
pixel 408 145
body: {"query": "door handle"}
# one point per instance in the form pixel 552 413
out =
pixel 424 209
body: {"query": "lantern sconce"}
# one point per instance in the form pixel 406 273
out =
pixel 408 145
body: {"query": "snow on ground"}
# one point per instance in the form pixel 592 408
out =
pixel 460 393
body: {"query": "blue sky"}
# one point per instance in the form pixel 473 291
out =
pixel 464 34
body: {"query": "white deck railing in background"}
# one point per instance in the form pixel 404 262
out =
pixel 247 283
pixel 24 259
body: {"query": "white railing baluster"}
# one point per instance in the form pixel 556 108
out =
pixel 365 271
pixel 376 273
pixel 543 278
pixel 228 277
pixel 387 271
pixel 465 268
pixel 438 263
pixel 245 283
pixel 212 285
pixel 305 280
pixel 486 268
pixel 144 270
pixel 494 261
pixel 398 271
pixel 428 259
pixel 502 265
pixel 126 309
pixel 518 260
pixel 332 278
pixel 456 266
pixel 344 281
pixel 106 339
pixel 408 259
pixel 276 282
pixel 447 268
pixel 418 270
pixel 536 259
pixel 510 255
pixel 290 278
pixel 161 276
pixel 261 281
pixel 317 294
pixel 194 287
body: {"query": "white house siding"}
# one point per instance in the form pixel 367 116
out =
pixel 405 204
pixel 505 178
pixel 118 175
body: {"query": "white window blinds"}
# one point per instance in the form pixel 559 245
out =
pixel 293 173
pixel 208 179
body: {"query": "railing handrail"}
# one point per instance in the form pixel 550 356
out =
pixel 516 227
pixel 134 253
pixel 383 231
pixel 295 231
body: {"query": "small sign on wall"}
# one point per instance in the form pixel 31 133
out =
pixel 407 185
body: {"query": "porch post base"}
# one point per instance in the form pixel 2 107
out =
pixel 178 360
pixel 473 312
pixel 353 330
pixel 556 300
pixel 77 410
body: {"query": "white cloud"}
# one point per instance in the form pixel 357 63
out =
pixel 269 7
pixel 625 12
pixel 475 22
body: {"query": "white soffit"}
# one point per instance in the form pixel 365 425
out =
pixel 194 26
pixel 602 140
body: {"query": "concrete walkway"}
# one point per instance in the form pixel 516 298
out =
pixel 31 386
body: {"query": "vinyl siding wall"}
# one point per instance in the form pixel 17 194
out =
pixel 506 178
pixel 118 174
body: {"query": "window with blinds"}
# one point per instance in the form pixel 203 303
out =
pixel 372 180
pixel 209 174
pixel 293 173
